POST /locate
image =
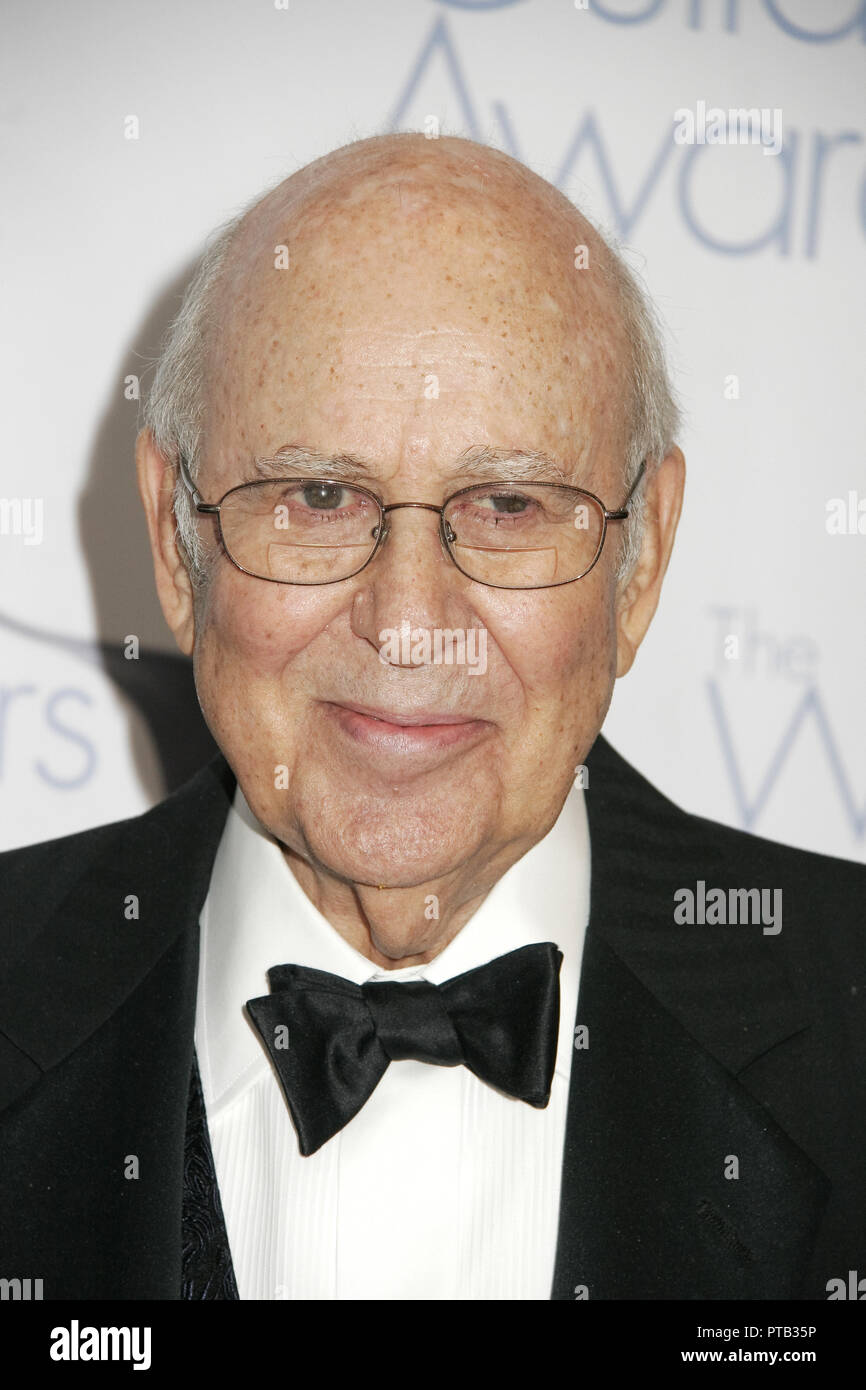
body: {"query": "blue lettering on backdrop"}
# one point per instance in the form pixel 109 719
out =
pixel 695 11
pixel 439 39
pixel 803 159
pixel 9 693
pixel 778 231
pixel 796 31
pixel 53 721
pixel 810 704
pixel 51 713
pixel 649 11
pixel 589 134
pixel 822 145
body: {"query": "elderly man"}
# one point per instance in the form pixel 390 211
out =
pixel 420 991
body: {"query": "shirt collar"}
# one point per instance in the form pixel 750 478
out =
pixel 256 915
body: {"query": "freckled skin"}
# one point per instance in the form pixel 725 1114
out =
pixel 408 259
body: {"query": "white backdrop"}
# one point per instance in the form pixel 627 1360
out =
pixel 756 262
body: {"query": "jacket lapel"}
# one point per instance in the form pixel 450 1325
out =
pixel 677 1181
pixel 97 1047
pixel 137 892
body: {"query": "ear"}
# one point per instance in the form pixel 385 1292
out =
pixel 156 479
pixel 639 596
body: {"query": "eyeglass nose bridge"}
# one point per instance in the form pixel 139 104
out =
pixel 382 532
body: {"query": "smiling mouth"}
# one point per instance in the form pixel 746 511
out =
pixel 405 732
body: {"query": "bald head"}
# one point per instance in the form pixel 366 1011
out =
pixel 418 176
pixel 460 236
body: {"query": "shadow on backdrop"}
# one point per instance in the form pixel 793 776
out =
pixel 159 684
pixel 115 545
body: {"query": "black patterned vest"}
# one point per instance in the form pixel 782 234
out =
pixel 207 1271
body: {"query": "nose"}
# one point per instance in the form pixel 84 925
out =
pixel 411 580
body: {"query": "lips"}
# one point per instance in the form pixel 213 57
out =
pixel 406 733
pixel 408 719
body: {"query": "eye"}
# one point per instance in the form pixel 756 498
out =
pixel 508 503
pixel 493 505
pixel 322 497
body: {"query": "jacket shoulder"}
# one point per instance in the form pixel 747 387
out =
pixel 35 879
pixel 659 822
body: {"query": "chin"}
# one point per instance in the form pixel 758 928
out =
pixel 376 865
pixel 398 846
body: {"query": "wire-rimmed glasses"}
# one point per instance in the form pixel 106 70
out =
pixel 507 535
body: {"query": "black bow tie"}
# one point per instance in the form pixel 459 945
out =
pixel 331 1041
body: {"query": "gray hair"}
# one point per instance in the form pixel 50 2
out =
pixel 655 417
pixel 174 409
pixel 175 405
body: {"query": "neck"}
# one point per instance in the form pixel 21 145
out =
pixel 399 927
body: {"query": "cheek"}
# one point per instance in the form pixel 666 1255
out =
pixel 255 625
pixel 562 645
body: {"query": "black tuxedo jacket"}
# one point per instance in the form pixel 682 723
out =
pixel 716 1133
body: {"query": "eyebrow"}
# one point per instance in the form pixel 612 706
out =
pixel 478 463
pixel 510 465
pixel 297 458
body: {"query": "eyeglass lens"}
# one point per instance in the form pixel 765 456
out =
pixel 505 534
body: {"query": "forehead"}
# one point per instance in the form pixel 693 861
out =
pixel 409 307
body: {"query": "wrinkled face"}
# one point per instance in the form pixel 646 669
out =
pixel 411 326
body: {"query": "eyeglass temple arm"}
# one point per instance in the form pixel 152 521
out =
pixel 621 513
pixel 194 493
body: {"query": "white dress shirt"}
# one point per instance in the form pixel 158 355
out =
pixel 440 1187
